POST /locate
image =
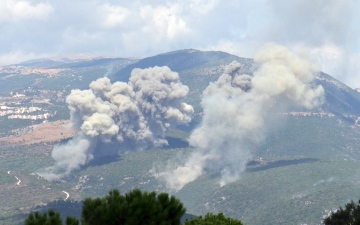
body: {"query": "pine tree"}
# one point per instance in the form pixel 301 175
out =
pixel 133 208
pixel 47 218
pixel 211 219
pixel 350 215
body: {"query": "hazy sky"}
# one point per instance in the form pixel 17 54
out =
pixel 327 30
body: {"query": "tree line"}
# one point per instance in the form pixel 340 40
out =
pixel 149 208
pixel 134 208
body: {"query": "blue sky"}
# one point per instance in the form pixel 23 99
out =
pixel 326 30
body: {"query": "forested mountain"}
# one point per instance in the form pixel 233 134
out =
pixel 306 165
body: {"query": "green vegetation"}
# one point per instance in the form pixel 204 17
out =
pixel 16 83
pixel 308 188
pixel 350 215
pixel 134 208
pixel 211 219
pixel 49 218
pixel 308 159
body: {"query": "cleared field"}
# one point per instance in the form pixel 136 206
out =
pixel 44 132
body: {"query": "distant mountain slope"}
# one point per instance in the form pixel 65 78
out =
pixel 43 63
pixel 98 62
pixel 198 68
pixel 341 100
pixel 63 62
pixel 57 74
pixel 307 165
pixel 177 61
pixel 58 61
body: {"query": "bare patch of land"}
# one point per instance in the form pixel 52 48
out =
pixel 40 133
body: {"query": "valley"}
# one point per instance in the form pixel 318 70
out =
pixel 307 165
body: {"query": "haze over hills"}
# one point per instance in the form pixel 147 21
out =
pixel 307 164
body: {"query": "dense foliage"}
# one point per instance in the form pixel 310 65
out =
pixel 49 218
pixel 350 215
pixel 135 207
pixel 211 219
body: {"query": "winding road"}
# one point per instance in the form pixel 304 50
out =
pixel 18 180
pixel 67 195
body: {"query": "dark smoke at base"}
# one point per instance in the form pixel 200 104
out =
pixel 136 114
pixel 236 108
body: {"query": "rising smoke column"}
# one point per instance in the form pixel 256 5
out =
pixel 236 108
pixel 136 114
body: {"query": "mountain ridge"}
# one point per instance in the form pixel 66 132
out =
pixel 310 161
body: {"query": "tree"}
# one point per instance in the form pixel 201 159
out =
pixel 211 219
pixel 72 221
pixel 350 215
pixel 48 218
pixel 135 207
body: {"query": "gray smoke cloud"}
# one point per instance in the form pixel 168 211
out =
pixel 236 108
pixel 136 114
pixel 327 28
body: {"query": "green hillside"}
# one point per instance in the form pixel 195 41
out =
pixel 307 164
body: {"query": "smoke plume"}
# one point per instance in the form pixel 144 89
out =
pixel 136 114
pixel 236 108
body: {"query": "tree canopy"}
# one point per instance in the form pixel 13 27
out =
pixel 211 219
pixel 49 218
pixel 350 215
pixel 135 207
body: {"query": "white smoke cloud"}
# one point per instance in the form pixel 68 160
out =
pixel 236 109
pixel 136 114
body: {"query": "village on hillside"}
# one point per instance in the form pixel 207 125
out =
pixel 27 106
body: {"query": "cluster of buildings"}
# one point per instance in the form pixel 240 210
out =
pixel 31 117
pixel 25 113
